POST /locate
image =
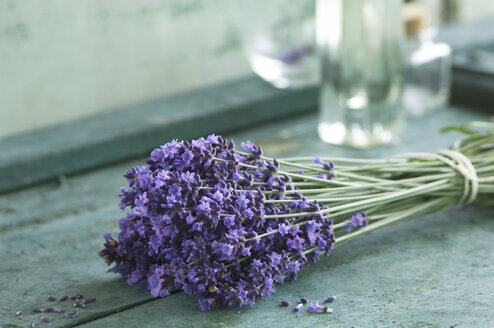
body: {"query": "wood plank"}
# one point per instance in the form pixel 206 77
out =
pixel 59 257
pixel 114 136
pixel 434 271
pixel 67 196
pixel 57 253
pixel 408 274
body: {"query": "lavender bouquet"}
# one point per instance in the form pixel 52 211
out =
pixel 227 225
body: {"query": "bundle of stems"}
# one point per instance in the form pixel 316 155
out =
pixel 227 225
pixel 400 187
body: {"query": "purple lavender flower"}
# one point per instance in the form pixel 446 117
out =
pixel 77 295
pixel 358 220
pixel 205 304
pixel 296 244
pixel 72 313
pixel 200 220
pixel 77 302
pixel 315 307
pixel 45 319
pixel 295 54
pixel 253 148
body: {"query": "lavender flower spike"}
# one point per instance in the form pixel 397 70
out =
pixel 228 226
pixel 198 221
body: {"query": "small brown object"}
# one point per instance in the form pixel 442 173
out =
pixel 415 16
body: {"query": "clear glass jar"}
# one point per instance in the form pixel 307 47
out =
pixel 360 45
pixel 428 74
pixel 283 52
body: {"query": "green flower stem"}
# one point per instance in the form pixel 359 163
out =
pixel 397 217
pixel 354 206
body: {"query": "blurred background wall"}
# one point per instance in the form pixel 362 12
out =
pixel 65 59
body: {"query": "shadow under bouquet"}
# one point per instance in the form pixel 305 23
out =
pixel 228 225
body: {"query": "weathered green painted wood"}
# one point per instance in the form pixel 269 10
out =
pixel 59 257
pixel 435 271
pixel 52 250
pixel 67 196
pixel 119 135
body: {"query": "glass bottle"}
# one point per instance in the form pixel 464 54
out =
pixel 428 63
pixel 360 44
pixel 428 76
pixel 283 52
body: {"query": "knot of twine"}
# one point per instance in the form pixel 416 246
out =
pixel 461 164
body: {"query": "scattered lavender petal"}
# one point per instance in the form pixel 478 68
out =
pixel 49 309
pixel 38 310
pixel 304 300
pixel 298 307
pixel 285 303
pixel 52 298
pixel 315 307
pixel 63 298
pixel 72 313
pixel 76 296
pixel 18 312
pixel 45 319
pixel 58 310
pixel 329 299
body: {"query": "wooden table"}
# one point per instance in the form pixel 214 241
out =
pixel 432 271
